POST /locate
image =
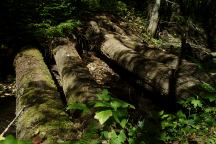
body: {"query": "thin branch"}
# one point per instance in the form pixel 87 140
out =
pixel 6 129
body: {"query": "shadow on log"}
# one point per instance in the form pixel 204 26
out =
pixel 155 68
pixel 153 73
pixel 43 118
pixel 77 82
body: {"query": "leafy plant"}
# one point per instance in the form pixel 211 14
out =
pixel 111 108
pixel 60 30
pixel 116 112
pixel 194 122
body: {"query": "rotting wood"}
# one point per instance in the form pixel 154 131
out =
pixel 44 116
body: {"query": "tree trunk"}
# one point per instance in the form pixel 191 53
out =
pixel 43 118
pixel 78 85
pixel 154 19
pixel 155 74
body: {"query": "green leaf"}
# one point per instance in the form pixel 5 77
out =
pixel 112 134
pixel 105 134
pixel 131 141
pixel 103 116
pixel 211 98
pixel 78 106
pixel 123 123
pixel 196 103
pixel 208 87
pixel 180 114
pixel 104 95
pixel 116 103
pixel 121 137
pixel 116 117
pixel 102 104
pixel 210 109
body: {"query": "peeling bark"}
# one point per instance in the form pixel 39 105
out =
pixel 43 117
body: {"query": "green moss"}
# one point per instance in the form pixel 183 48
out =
pixel 43 115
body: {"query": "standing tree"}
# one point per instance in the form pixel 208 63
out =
pixel 154 18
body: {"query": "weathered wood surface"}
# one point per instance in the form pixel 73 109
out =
pixel 43 119
pixel 77 82
pixel 153 73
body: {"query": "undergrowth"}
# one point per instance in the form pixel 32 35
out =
pixel 112 114
pixel 195 122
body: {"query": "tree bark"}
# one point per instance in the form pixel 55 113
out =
pixel 154 19
pixel 153 73
pixel 77 82
pixel 43 118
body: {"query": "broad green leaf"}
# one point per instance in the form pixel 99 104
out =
pixel 102 104
pixel 196 103
pixel 78 106
pixel 103 116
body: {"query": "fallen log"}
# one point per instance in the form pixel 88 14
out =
pixel 42 117
pixel 169 59
pixel 155 74
pixel 77 82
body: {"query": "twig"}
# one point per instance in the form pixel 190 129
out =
pixel 6 129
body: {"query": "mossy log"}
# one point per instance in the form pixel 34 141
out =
pixel 77 82
pixel 158 76
pixel 43 118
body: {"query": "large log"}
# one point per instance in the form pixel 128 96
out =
pixel 43 118
pixel 153 73
pixel 77 82
pixel 104 25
